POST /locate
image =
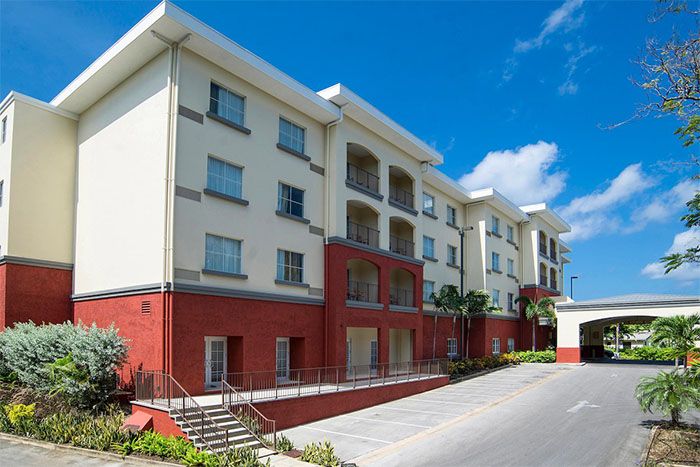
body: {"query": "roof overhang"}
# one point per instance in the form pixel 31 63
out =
pixel 447 185
pixel 15 96
pixel 138 46
pixel 548 215
pixel 370 117
pixel 500 202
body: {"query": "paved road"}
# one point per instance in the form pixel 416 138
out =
pixel 583 417
pixel 366 430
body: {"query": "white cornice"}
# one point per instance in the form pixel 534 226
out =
pixel 16 96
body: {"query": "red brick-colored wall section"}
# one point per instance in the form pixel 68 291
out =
pixel 568 355
pixel 444 332
pixel 144 330
pixel 255 326
pixel 39 294
pixel 484 329
pixel 162 423
pixel 292 412
pixel 339 317
pixel 544 336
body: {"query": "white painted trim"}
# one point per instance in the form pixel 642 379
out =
pixel 13 96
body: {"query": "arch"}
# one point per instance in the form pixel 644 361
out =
pixel 553 278
pixel 362 280
pixel 543 242
pixel 401 187
pixel 362 223
pixel 553 248
pixel 543 274
pixel 401 236
pixel 401 287
pixel 363 166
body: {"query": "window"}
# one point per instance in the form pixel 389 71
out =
pixel 511 302
pixel 292 136
pixel 428 289
pixel 290 266
pixel 510 233
pixel 496 298
pixel 496 345
pixel 428 247
pixel 222 254
pixel 495 262
pixel 451 346
pixel 510 264
pixel 3 130
pixel 290 200
pixel 428 203
pixel 224 178
pixel 451 254
pixel 451 215
pixel 227 104
pixel 495 225
pixel 511 344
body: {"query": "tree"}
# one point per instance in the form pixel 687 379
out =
pixel 544 308
pixel 672 393
pixel 476 302
pixel 678 332
pixel 692 254
pixel 446 300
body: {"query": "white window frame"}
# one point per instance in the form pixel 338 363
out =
pixel 286 203
pixel 452 258
pixel 451 346
pixel 495 346
pixel 225 183
pixel 224 259
pixel 428 199
pixel 210 381
pixel 511 301
pixel 295 138
pixel 511 345
pixel 224 107
pixel 451 215
pixel 495 225
pixel 496 298
pixel 282 373
pixel 510 233
pixel 495 261
pixel 510 266
pixel 285 268
pixel 426 297
pixel 428 241
pixel 373 355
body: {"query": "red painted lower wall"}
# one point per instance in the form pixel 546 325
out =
pixel 484 330
pixel 292 412
pixel 162 423
pixel 34 293
pixel 544 335
pixel 568 355
pixel 444 332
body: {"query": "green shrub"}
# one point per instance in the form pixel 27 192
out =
pixel 649 353
pixel 20 412
pixel 320 454
pixel 474 365
pixel 77 361
pixel 284 444
pixel 540 356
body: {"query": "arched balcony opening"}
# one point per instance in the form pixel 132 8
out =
pixel 552 249
pixel 401 187
pixel 363 281
pixel 401 237
pixel 553 278
pixel 401 283
pixel 543 274
pixel 362 224
pixel 362 167
pixel 543 243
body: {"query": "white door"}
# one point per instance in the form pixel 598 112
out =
pixel 282 358
pixel 348 356
pixel 214 361
pixel 373 356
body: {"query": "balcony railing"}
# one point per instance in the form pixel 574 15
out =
pixel 401 297
pixel 401 246
pixel 363 234
pixel 543 249
pixel 401 196
pixel 553 284
pixel 363 178
pixel 363 292
pixel 543 280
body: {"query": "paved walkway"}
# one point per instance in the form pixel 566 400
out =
pixel 366 430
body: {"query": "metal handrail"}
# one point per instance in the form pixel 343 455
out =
pixel 401 297
pixel 401 246
pixel 401 196
pixel 362 234
pixel 362 177
pixel 257 424
pixel 359 291
pixel 159 388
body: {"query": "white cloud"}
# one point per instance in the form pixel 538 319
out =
pixel 524 175
pixel 685 273
pixel 569 86
pixel 563 17
pixel 664 206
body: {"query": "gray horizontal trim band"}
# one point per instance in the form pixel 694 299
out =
pixel 365 305
pixel 430 258
pixel 512 243
pixel 187 274
pixel 246 294
pixel 453 265
pixel 452 225
pixel 605 306
pixel 496 234
pixel 430 214
pixel 496 271
pixel 292 284
pixel 400 206
pixel 365 191
pixel 187 193
pixel 370 249
pixel 317 169
pixel 303 220
pixel 316 230
pixel 497 316
pixel 34 262
pixel 228 123
pixel 403 309
pixel 119 292
pixel 191 114
pixel 233 199
pixel 316 291
pixel 233 275
pixel 291 151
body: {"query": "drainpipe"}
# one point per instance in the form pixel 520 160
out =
pixel 170 153
pixel 326 225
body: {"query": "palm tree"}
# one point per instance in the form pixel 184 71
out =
pixel 672 393
pixel 476 302
pixel 678 332
pixel 544 308
pixel 447 300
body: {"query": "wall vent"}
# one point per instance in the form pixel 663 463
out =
pixel 146 307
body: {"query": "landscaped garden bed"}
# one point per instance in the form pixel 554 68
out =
pixel 674 444
pixel 466 367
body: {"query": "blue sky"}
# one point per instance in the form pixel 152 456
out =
pixel 513 93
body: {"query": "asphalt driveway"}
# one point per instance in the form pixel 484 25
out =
pixel 367 430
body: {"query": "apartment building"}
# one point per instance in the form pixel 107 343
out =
pixel 227 218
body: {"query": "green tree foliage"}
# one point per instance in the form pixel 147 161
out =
pixel 671 393
pixel 446 300
pixel 677 332
pixel 543 308
pixel 476 302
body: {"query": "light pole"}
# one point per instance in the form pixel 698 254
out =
pixel 571 287
pixel 461 278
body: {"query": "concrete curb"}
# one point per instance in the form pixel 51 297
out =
pixel 480 373
pixel 86 452
pixel 645 453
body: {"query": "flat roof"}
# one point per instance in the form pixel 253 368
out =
pixel 632 300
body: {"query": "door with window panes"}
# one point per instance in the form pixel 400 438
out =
pixel 214 361
pixel 282 358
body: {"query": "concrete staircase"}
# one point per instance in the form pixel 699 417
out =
pixel 238 435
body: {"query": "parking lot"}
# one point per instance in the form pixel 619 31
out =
pixel 363 431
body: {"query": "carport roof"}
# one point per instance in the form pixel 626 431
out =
pixel 631 300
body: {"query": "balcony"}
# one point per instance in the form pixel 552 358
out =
pixel 359 291
pixel 364 179
pixel 401 196
pixel 401 297
pixel 363 234
pixel 543 250
pixel 401 246
pixel 543 280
